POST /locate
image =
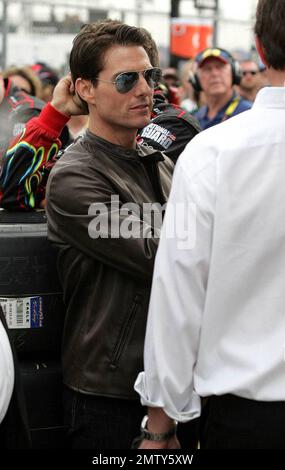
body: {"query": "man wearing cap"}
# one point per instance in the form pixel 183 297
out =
pixel 216 75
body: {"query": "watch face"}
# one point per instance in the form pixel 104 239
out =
pixel 144 422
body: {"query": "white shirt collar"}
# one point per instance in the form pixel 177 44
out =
pixel 270 97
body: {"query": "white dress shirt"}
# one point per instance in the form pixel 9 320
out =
pixel 216 321
pixel 6 372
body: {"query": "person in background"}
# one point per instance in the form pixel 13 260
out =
pixel 216 321
pixel 25 79
pixel 216 75
pixel 77 124
pixel 24 168
pixel 16 108
pixel 14 429
pixel 250 80
pixel 48 77
pixel 171 77
pixel 190 98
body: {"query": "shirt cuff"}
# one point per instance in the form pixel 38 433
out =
pixel 53 120
pixel 192 411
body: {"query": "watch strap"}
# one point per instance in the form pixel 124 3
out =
pixel 158 437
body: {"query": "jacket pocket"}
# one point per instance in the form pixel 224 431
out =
pixel 125 332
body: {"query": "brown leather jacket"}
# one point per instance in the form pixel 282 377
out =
pixel 106 281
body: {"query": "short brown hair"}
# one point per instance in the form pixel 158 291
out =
pixel 94 39
pixel 269 28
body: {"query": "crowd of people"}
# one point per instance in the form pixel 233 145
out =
pixel 180 278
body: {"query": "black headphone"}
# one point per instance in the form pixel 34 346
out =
pixel 215 52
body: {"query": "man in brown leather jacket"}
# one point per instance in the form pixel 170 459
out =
pixel 99 198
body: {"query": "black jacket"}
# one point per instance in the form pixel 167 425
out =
pixel 170 129
pixel 106 281
pixel 14 430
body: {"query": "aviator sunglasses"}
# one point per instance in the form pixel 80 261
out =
pixel 251 72
pixel 126 81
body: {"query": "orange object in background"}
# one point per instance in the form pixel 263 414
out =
pixel 189 37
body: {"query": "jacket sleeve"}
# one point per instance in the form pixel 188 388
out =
pixel 28 161
pixel 179 290
pixel 169 134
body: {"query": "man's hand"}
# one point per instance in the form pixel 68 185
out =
pixel 159 423
pixel 65 100
pixel 171 443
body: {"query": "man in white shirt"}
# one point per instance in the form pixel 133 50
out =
pixel 216 325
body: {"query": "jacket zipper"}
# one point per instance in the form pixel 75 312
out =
pixel 158 184
pixel 124 334
pixel 154 178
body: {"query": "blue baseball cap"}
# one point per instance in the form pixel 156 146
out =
pixel 220 54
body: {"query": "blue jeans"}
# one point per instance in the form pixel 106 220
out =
pixel 97 422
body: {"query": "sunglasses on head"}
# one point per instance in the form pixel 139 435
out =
pixel 126 81
pixel 251 72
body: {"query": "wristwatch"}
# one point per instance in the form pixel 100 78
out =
pixel 151 436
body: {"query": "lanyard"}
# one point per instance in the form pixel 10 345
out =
pixel 231 108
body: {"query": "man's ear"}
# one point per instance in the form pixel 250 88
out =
pixel 260 50
pixel 85 90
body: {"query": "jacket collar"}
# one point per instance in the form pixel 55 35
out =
pixel 142 152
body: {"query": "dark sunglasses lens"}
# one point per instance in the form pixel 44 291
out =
pixel 153 77
pixel 250 72
pixel 126 81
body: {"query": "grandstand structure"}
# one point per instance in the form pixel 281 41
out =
pixel 42 30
